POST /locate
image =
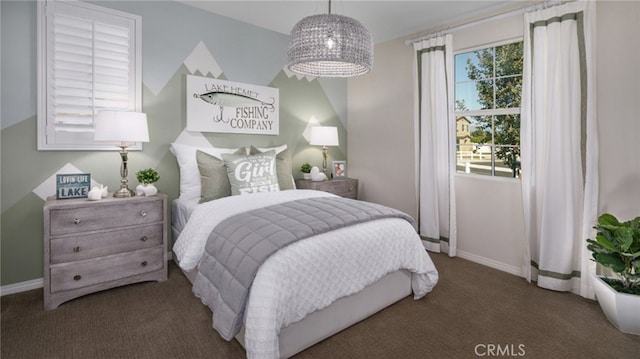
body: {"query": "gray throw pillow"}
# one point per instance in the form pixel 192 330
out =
pixel 252 173
pixel 214 182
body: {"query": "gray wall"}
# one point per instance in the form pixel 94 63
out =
pixel 170 32
pixel 381 127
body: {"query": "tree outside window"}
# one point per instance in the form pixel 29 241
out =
pixel 488 93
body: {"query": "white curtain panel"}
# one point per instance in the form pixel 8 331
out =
pixel 435 143
pixel 559 146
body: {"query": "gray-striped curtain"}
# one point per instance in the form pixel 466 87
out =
pixel 435 144
pixel 559 146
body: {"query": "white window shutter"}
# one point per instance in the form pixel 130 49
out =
pixel 89 61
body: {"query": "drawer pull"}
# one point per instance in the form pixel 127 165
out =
pixel 144 264
pixel 76 249
pixel 77 277
pixel 76 221
pixel 143 213
pixel 144 238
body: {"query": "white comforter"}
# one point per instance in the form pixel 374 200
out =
pixel 310 274
pixel 191 242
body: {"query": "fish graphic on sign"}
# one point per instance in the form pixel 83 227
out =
pixel 223 106
pixel 226 99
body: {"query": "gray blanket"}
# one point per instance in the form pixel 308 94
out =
pixel 240 244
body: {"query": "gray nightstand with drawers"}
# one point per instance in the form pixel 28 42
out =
pixel 91 246
pixel 343 187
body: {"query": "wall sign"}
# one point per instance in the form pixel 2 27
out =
pixel 75 185
pixel 231 107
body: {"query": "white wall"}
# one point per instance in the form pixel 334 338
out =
pixel 618 56
pixel 380 129
pixel 489 210
pixel 490 221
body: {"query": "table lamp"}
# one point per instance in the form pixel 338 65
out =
pixel 324 136
pixel 123 128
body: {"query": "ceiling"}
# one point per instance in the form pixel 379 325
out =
pixel 386 20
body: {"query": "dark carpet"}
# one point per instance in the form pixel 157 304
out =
pixel 474 311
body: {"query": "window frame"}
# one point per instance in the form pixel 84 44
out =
pixel 109 16
pixel 485 112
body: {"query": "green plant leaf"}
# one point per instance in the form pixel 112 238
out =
pixel 617 246
pixel 630 255
pixel 607 233
pixel 611 261
pixel 596 247
pixel 147 175
pixel 305 168
pixel 606 243
pixel 624 236
pixel 608 219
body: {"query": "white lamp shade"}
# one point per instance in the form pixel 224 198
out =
pixel 324 136
pixel 121 126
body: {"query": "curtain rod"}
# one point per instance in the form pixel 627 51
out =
pixel 543 5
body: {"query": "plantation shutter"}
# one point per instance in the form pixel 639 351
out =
pixel 92 63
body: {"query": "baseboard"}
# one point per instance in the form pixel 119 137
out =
pixel 38 283
pixel 490 263
pixel 21 287
pixel 35 284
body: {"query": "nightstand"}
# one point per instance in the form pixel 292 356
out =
pixel 343 187
pixel 91 246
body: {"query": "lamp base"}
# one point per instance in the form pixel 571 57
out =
pixel 325 157
pixel 123 193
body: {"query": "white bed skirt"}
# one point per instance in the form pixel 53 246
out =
pixel 340 315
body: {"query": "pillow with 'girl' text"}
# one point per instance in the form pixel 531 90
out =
pixel 252 173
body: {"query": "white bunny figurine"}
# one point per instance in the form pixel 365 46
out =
pixel 316 175
pixel 95 194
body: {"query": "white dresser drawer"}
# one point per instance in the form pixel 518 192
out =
pixel 83 246
pixel 83 219
pixel 104 269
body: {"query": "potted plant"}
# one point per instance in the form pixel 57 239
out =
pixel 617 247
pixel 306 170
pixel 147 177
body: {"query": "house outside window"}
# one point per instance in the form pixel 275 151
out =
pixel 488 87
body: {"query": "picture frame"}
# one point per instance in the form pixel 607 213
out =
pixel 339 169
pixel 74 185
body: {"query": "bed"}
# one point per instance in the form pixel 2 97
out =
pixel 311 288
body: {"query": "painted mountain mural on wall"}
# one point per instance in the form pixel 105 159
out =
pixel 27 173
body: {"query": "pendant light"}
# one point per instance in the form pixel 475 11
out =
pixel 329 45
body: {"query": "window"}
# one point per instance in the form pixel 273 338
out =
pixel 89 59
pixel 488 91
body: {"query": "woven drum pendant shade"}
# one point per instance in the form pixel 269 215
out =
pixel 329 45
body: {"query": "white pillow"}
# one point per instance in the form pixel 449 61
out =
pixel 190 175
pixel 278 149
